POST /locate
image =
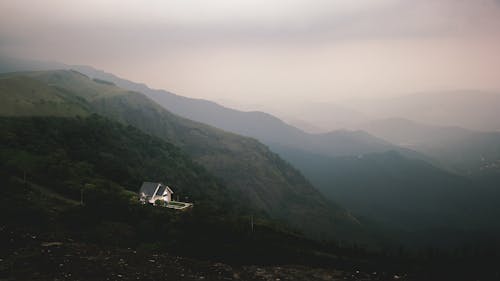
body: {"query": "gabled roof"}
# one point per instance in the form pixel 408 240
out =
pixel 151 188
pixel 170 190
pixel 161 190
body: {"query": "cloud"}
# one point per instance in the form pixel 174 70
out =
pixel 244 22
pixel 154 25
pixel 317 45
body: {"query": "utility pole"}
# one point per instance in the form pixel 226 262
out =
pixel 251 222
pixel 81 196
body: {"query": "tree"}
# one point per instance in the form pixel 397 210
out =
pixel 160 202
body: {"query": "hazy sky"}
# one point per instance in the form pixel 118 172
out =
pixel 262 50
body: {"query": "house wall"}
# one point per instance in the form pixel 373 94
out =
pixel 153 200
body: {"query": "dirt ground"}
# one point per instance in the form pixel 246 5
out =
pixel 34 259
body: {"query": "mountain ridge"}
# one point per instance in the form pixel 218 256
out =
pixel 463 151
pixel 270 129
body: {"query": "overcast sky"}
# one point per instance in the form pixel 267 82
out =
pixel 266 50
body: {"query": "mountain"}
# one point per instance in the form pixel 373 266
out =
pixel 408 133
pixel 29 97
pixel 467 152
pixel 67 154
pixel 10 64
pixel 262 126
pixel 269 129
pixel 399 193
pixel 325 159
pixel 259 125
pixel 325 116
pixel 266 182
pixel 72 182
pixel 474 110
pixel 69 210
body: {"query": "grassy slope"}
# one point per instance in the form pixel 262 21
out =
pixel 22 96
pixel 267 182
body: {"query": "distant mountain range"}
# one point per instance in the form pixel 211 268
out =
pixel 262 126
pixel 470 109
pixel 467 152
pixel 403 193
pixel 474 110
pixel 327 161
pixel 320 117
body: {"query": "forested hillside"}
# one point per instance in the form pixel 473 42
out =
pixel 268 184
pixel 68 179
pixel 404 195
pixel 75 154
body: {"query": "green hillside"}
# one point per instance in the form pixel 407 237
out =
pixel 92 153
pixel 24 96
pixel 266 183
pixel 47 162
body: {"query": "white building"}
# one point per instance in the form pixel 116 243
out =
pixel 152 191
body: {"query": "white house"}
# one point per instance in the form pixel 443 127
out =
pixel 152 191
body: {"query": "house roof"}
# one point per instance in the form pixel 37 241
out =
pixel 151 188
pixel 169 190
pixel 161 190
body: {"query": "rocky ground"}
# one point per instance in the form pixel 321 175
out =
pixel 33 258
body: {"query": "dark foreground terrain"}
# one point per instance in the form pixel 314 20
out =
pixel 32 258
